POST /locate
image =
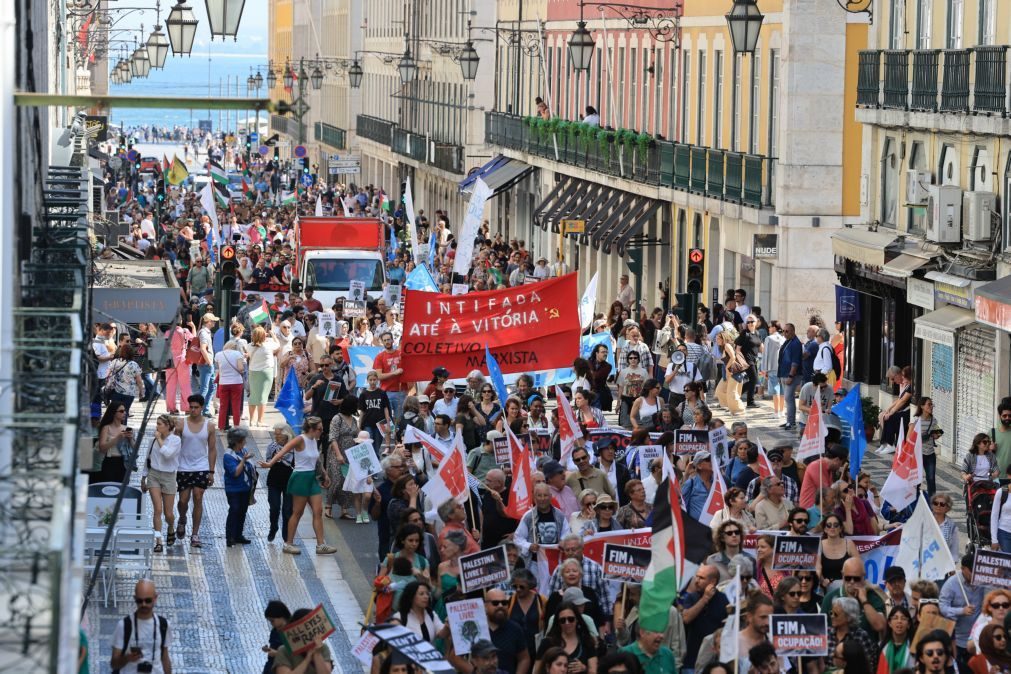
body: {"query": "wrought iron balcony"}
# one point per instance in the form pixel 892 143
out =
pixel 285 125
pixel 330 135
pixel 409 144
pixel 955 81
pixel 374 128
pixel 733 177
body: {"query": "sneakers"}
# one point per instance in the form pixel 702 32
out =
pixel 325 549
pixel 358 519
pixel 291 549
pixel 885 449
pixel 365 518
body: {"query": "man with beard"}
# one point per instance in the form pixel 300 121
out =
pixel 758 609
pixel 507 637
pixel 653 656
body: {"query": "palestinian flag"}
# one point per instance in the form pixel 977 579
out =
pixel 260 314
pixel 248 191
pixel 287 198
pixel 221 195
pixel 384 203
pixel 165 166
pixel 679 545
pixel 217 172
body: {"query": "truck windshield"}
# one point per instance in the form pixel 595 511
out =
pixel 338 274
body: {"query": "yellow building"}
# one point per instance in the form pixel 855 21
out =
pixel 931 261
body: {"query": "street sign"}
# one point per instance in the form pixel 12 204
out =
pixel 227 253
pixel 133 155
pixel 347 166
pixel 264 150
pixel 254 137
pixel 333 160
pixel 307 179
pixel 573 226
pixel 300 151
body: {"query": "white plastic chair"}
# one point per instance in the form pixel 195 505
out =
pixel 132 552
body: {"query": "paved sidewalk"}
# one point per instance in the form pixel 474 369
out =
pixel 214 596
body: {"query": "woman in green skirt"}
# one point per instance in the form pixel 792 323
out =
pixel 304 485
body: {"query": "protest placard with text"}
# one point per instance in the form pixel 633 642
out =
pixel 795 553
pixel 300 634
pixel 625 563
pixel 991 568
pixel 690 441
pixel 483 569
pixel 468 623
pixel 796 634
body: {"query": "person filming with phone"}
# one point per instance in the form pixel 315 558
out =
pixel 141 640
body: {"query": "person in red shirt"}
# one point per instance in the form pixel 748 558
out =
pixel 311 305
pixel 820 474
pixel 387 363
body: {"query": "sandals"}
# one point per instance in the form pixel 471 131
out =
pixel 170 539
pixel 158 546
pixel 195 542
pixel 328 514
pixel 181 530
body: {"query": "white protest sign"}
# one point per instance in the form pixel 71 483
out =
pixel 468 623
pixel 327 324
pixel 362 462
pixel 356 291
pixel 460 288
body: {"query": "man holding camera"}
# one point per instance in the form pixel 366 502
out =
pixel 141 640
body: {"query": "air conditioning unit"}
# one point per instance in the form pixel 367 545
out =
pixel 944 214
pixel 976 210
pixel 917 183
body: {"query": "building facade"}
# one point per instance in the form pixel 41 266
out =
pixel 931 258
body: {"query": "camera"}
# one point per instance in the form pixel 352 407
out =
pixel 145 667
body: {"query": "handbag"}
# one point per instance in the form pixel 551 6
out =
pixel 194 356
pixel 277 476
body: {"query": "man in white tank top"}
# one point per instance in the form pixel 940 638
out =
pixel 197 459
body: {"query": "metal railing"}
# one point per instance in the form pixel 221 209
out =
pixel 959 81
pixel 409 144
pixel 330 135
pixel 730 176
pixel 374 128
pixel 284 125
pixel 447 157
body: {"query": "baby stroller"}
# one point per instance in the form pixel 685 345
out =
pixel 978 505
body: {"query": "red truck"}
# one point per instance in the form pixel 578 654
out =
pixel 330 252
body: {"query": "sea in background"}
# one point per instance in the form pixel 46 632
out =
pixel 196 76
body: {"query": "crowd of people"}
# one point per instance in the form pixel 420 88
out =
pixel 657 372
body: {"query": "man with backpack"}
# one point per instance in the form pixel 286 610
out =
pixel 141 640
pixel 825 360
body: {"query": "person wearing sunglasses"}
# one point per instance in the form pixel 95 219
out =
pixel 836 549
pixel 728 539
pixel 845 621
pixel 934 653
pixel 940 506
pixel 506 636
pixel 963 609
pixel 788 595
pixel 810 598
pixel 569 632
pixel 866 597
pixel 142 638
pixel 993 655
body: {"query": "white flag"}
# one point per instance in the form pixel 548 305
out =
pixel 471 225
pixel 450 480
pixel 319 205
pixel 412 227
pixel 922 551
pixel 344 205
pixel 588 302
pixel 907 471
pixel 729 644
pixel 207 201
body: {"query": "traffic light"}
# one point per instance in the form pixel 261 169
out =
pixel 160 191
pixel 229 300
pixel 305 164
pixel 696 270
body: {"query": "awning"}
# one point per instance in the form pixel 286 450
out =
pixel 904 265
pixel 501 173
pixel 993 303
pixel 940 326
pixel 630 224
pixel 862 245
pixel 948 279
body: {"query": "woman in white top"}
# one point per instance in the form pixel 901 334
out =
pixel 735 507
pixel 230 365
pixel 415 612
pixel 159 477
pixel 768 365
pixel 304 485
pixel 263 350
pixel 361 335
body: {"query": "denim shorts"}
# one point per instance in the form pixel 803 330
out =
pixel 773 386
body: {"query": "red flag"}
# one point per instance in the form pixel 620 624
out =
pixel 812 443
pixel 900 486
pixel 568 429
pixel 521 496
pixel 82 33
pixel 714 503
pixel 764 465
pixel 412 434
pixel 450 480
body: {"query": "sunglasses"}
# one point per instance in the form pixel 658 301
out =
pixel 606 506
pixel 795 593
pixel 567 620
pixel 933 652
pixel 732 533
pixel 580 459
pixel 832 525
pixel 801 520
pixel 1002 604
pixel 498 602
pixel 143 600
pixel 853 579
pixel 805 579
pixel 940 503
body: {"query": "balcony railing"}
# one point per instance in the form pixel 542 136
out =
pixel 330 135
pixel 958 81
pixel 409 144
pixel 374 128
pixel 447 157
pixel 730 176
pixel 284 125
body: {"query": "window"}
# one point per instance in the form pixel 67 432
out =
pixel 686 71
pixel 773 145
pixel 756 84
pixel 897 37
pixel 735 129
pixel 658 73
pixel 600 80
pixel 633 95
pixel 889 182
pixel 621 88
pixel 924 23
pixel 700 113
pixel 955 17
pixel 987 22
pixel 557 91
pixel 644 124
pixel 718 100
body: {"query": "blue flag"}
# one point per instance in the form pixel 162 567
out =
pixel 851 415
pixel 495 373
pixel 432 248
pixel 289 401
pixel 394 245
pixel 421 279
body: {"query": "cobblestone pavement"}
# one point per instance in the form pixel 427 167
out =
pixel 214 596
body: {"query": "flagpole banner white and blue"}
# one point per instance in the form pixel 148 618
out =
pixel 471 225
pixel 412 227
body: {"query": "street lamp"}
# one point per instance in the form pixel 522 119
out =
pixel 182 28
pixel 157 48
pixel 258 81
pixel 125 72
pixel 408 67
pixel 140 62
pixel 289 77
pixel 581 47
pixel 250 83
pixel 355 75
pixel 744 21
pixel 224 16
pixel 469 61
pixel 316 78
pixel 271 78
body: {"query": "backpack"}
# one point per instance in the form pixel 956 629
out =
pixel 128 632
pixel 834 359
pixel 706 365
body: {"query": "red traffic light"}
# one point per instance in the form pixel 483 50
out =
pixel 227 253
pixel 696 255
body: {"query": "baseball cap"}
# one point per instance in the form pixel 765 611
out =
pixel 774 454
pixel 701 456
pixel 447 386
pixel 893 573
pixel 483 648
pixel 574 596
pixel 552 468
pixel 493 435
pixel 423 399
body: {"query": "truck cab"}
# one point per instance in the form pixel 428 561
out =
pixel 334 251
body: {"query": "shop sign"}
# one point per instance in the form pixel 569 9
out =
pixel 920 293
pixel 766 246
pixel 992 312
pixel 934 334
pixel 959 297
pixel 847 304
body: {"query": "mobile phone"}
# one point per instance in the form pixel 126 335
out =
pixel 136 650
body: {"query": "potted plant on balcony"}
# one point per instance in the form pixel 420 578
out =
pixel 871 413
pixel 605 138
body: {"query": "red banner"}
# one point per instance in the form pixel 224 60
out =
pixel 528 328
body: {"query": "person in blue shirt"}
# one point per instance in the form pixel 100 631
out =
pixel 789 370
pixel 696 490
pixel 395 272
pixel 810 352
pixel 961 601
pixel 240 477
